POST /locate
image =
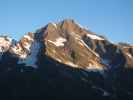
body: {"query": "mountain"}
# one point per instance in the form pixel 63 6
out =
pixel 65 61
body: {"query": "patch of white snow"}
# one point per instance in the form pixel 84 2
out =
pixel 59 41
pixel 28 37
pixel 54 25
pixel 129 55
pixel 5 43
pixel 58 59
pixel 94 68
pixel 71 64
pixel 17 50
pixel 31 60
pixel 92 36
pixel 89 48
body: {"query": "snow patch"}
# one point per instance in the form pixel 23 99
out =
pixel 129 55
pixel 9 39
pixel 94 68
pixel 71 64
pixel 89 48
pixel 17 49
pixel 5 43
pixel 22 50
pixel 28 44
pixel 28 37
pixel 59 41
pixel 92 36
pixel 23 56
pixel 54 25
pixel 58 59
pixel 31 60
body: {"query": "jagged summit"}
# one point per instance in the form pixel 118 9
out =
pixel 64 43
pixel 68 43
pixel 65 61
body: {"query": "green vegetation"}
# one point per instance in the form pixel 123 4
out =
pixel 75 56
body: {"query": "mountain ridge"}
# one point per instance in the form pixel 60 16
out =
pixel 68 36
pixel 65 61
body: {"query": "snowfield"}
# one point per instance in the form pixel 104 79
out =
pixel 59 41
pixel 94 37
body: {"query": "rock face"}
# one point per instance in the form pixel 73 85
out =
pixel 73 45
pixel 67 59
pixel 64 43
pixel 22 48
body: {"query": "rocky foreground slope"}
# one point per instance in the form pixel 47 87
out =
pixel 65 61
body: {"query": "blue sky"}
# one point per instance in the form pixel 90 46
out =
pixel 112 18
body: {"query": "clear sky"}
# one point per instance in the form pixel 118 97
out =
pixel 112 18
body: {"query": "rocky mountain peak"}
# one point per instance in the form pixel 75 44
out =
pixel 68 43
pixel 65 61
pixel 22 48
pixel 64 43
